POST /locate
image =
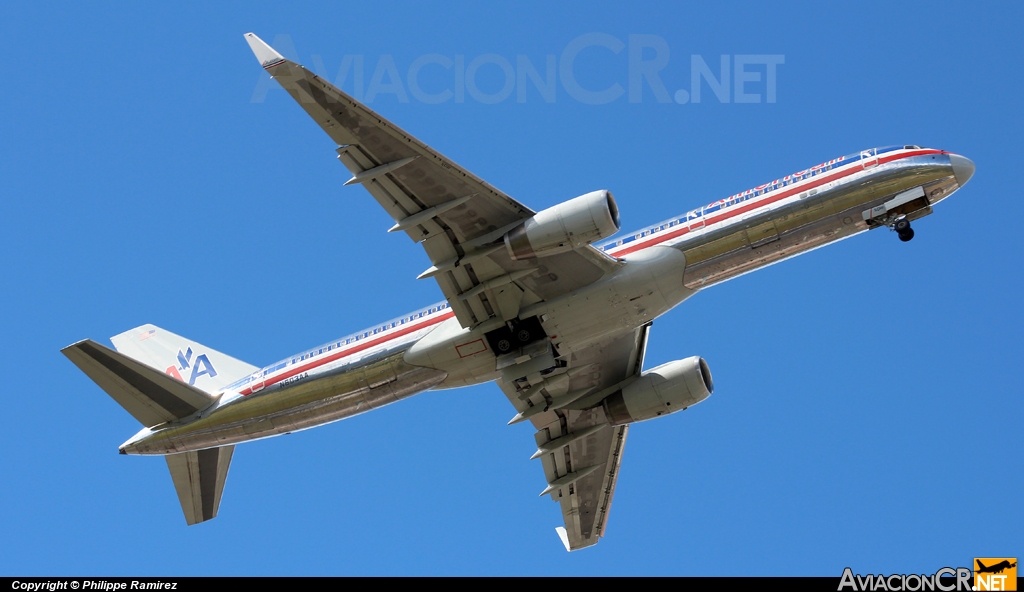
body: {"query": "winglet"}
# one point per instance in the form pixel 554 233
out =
pixel 264 53
pixel 563 536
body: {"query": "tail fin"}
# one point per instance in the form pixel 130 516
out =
pixel 186 360
pixel 133 376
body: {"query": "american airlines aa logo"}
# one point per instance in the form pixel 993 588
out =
pixel 195 368
pixel 995 573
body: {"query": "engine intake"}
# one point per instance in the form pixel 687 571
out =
pixel 567 226
pixel 659 391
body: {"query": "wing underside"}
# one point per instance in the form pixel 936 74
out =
pixel 580 451
pixel 458 218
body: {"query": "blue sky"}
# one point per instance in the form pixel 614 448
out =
pixel 867 410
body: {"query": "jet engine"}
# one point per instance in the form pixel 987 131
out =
pixel 659 391
pixel 567 226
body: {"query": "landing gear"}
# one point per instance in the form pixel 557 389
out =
pixel 515 335
pixel 903 229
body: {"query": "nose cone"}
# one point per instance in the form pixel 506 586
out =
pixel 963 168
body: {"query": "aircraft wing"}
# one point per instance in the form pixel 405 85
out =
pixel 581 453
pixel 458 218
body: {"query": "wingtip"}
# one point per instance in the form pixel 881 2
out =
pixel 564 537
pixel 430 272
pixel 264 53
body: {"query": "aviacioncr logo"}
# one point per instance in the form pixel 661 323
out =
pixel 200 366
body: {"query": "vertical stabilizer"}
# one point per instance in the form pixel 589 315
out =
pixel 190 362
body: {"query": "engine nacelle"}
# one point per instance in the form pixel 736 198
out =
pixel 567 226
pixel 659 391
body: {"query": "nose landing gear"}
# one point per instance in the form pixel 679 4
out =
pixel 903 229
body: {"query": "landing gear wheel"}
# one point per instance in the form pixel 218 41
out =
pixel 903 229
pixel 523 335
pixel 504 345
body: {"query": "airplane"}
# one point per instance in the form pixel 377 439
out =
pixel 997 568
pixel 551 305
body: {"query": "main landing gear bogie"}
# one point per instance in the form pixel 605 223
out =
pixel 515 335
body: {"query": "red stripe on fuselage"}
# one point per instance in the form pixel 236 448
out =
pixel 782 194
pixel 352 350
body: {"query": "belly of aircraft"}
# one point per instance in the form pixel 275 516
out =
pixel 298 405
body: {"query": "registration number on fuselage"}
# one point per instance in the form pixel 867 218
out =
pixel 295 378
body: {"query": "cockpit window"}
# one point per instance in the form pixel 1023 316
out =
pixel 911 147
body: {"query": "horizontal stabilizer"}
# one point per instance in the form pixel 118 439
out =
pixel 191 362
pixel 199 480
pixel 151 396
